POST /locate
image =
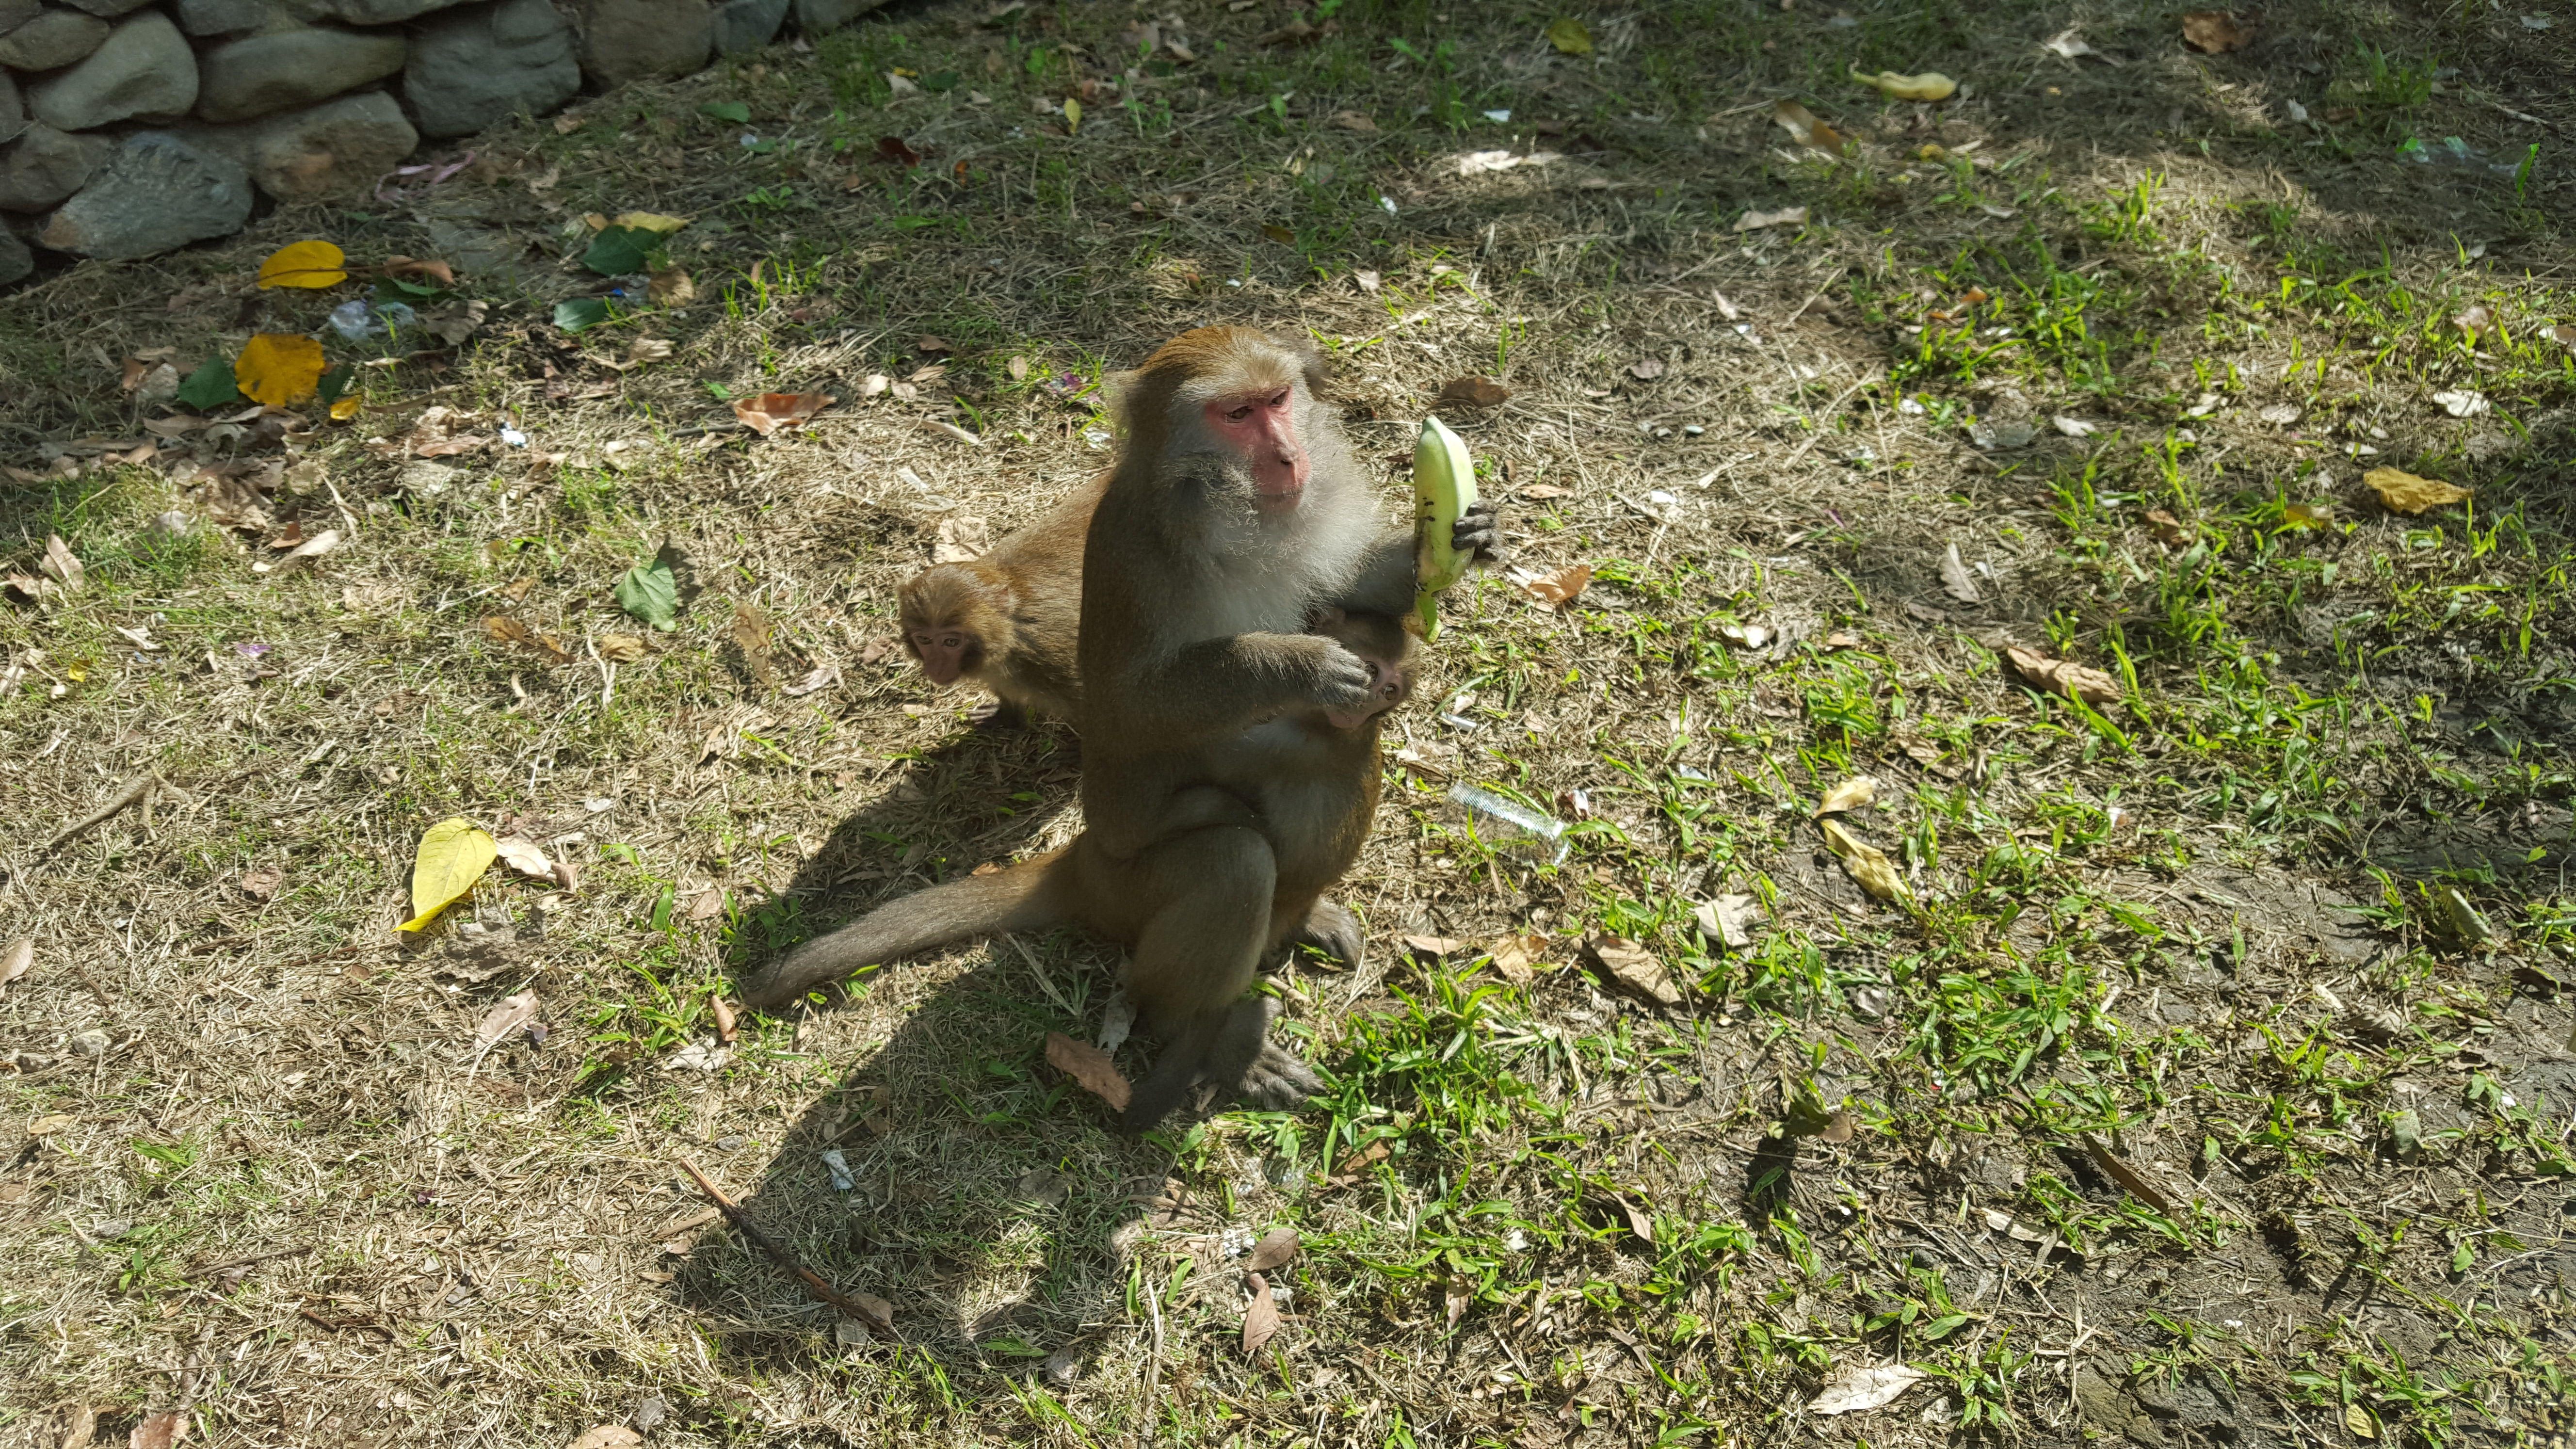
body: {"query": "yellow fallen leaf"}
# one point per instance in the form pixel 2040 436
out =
pixel 1808 131
pixel 345 409
pixel 1072 115
pixel 652 221
pixel 1867 865
pixel 2059 676
pixel 278 368
pixel 2403 492
pixel 453 856
pixel 1929 86
pixel 1850 795
pixel 1569 36
pixel 304 264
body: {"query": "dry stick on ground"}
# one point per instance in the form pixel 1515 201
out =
pixel 136 790
pixel 1826 416
pixel 873 1316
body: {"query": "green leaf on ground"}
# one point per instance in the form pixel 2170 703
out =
pixel 619 250
pixel 734 111
pixel 210 386
pixel 579 314
pixel 650 592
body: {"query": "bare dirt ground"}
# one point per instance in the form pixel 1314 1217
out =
pixel 2205 1077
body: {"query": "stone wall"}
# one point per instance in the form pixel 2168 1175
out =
pixel 130 127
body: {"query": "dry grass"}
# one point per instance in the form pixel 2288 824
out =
pixel 260 1165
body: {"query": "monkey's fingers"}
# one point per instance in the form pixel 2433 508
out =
pixel 1479 533
pixel 1343 682
pixel 1278 1080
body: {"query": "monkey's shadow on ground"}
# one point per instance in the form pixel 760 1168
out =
pixel 989 1193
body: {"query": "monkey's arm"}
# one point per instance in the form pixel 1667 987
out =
pixel 1219 687
pixel 1390 569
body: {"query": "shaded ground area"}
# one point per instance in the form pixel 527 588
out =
pixel 2207 1083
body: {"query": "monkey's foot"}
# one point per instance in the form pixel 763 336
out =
pixel 1332 929
pixel 1278 1080
pixel 998 716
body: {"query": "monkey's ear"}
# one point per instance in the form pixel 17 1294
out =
pixel 1310 362
pixel 1123 392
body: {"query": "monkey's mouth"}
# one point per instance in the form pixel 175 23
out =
pixel 1279 502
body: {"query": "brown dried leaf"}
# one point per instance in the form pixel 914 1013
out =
pixel 1277 1246
pixel 1866 864
pixel 2170 531
pixel 878 1312
pixel 1728 920
pixel 1434 947
pixel 261 885
pixel 2214 32
pixel 751 636
pixel 1633 969
pixel 960 538
pixel 1376 1152
pixel 1562 587
pixel 1260 1315
pixel 62 565
pixel 1456 1297
pixel 514 1012
pixel 1806 130
pixel 1646 369
pixel 2128 1177
pixel 1089 1067
pixel 455 321
pixel 525 857
pixel 159 1430
pixel 1516 958
pixel 1473 392
pixel 2403 492
pixel 770 411
pixel 671 289
pixel 2057 676
pixel 15 961
pixel 707 904
pixel 439 272
pixel 1851 794
pixel 1956 581
pixel 727 1026
pixel 608 1436
pixel 620 648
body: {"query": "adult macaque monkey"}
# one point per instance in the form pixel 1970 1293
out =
pixel 1216 811
pixel 1008 620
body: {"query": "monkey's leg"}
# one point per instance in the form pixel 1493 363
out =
pixel 1333 930
pixel 998 716
pixel 1210 893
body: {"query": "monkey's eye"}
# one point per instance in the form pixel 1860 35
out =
pixel 1239 414
pixel 952 641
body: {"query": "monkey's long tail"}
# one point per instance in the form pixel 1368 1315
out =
pixel 1026 897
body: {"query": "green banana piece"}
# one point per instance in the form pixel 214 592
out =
pixel 1444 488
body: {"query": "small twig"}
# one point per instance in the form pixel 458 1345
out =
pixel 1827 416
pixel 1812 296
pixel 211 1269
pixel 136 791
pixel 872 1315
pixel 337 1326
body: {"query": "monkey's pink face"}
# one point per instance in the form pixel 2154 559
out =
pixel 1394 685
pixel 1262 427
pixel 946 653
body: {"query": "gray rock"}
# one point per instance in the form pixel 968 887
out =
pixel 244 17
pixel 245 78
pixel 624 40
pixel 144 68
pixel 108 9
pixel 475 66
pixel 155 194
pixel 13 109
pixel 52 40
pixel 747 24
pixel 15 260
pixel 14 13
pixel 335 149
pixel 822 17
pixel 384 12
pixel 46 165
